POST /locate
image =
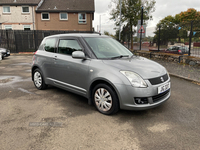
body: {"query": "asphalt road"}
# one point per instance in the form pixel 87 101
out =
pixel 59 120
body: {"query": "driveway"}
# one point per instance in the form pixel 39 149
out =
pixel 60 120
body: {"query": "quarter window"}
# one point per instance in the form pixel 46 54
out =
pixel 68 47
pixel 45 16
pixel 6 9
pixel 25 9
pixel 82 18
pixel 49 45
pixel 63 16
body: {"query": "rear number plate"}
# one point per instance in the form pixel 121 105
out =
pixel 164 88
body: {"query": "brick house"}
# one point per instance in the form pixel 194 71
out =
pixel 18 14
pixel 71 15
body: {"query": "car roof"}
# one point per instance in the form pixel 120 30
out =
pixel 93 35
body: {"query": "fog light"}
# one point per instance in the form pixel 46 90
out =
pixel 141 100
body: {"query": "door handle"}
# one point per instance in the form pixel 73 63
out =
pixel 55 58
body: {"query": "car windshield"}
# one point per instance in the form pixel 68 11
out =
pixel 107 48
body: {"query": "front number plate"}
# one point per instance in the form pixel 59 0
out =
pixel 164 88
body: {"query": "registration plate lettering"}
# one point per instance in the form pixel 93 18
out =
pixel 164 88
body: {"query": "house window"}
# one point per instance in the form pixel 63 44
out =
pixel 45 16
pixel 63 16
pixel 6 9
pixel 27 27
pixel 8 27
pixel 82 18
pixel 25 9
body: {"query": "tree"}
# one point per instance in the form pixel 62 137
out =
pixel 108 34
pixel 168 29
pixel 189 15
pixel 177 26
pixel 131 12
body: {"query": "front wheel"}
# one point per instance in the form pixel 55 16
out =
pixel 105 99
pixel 38 80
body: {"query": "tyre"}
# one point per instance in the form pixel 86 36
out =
pixel 38 80
pixel 105 99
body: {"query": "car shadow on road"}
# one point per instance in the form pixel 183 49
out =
pixel 124 116
pixel 74 105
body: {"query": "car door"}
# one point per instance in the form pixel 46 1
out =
pixel 48 46
pixel 70 73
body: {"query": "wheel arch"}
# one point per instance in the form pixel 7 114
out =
pixel 101 81
pixel 33 68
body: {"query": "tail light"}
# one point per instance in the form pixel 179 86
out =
pixel 34 57
pixel 35 52
pixel 179 51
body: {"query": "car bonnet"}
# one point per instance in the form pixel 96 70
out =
pixel 146 68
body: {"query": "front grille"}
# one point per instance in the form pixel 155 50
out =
pixel 159 97
pixel 158 80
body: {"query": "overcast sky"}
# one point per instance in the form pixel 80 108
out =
pixel 163 9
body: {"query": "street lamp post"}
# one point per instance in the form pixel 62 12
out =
pixel 100 24
pixel 141 28
pixel 120 20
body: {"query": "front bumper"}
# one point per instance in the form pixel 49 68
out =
pixel 127 95
pixel 5 53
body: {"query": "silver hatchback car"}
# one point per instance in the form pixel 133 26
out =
pixel 102 70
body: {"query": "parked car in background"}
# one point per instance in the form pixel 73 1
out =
pixel 178 50
pixel 102 70
pixel 4 52
pixel 0 56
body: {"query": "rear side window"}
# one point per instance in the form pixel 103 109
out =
pixel 67 46
pixel 49 45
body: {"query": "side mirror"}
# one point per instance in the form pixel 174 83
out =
pixel 78 55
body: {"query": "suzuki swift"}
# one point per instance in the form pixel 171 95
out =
pixel 102 70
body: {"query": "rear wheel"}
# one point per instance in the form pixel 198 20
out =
pixel 105 99
pixel 39 80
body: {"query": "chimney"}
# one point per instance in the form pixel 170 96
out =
pixel 15 1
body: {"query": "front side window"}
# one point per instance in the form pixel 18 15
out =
pixel 49 45
pixel 25 9
pixel 63 16
pixel 68 47
pixel 82 18
pixel 45 16
pixel 6 9
pixel 8 27
pixel 107 48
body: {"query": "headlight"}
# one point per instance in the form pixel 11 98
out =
pixel 168 73
pixel 135 79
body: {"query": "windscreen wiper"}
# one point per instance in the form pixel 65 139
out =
pixel 120 56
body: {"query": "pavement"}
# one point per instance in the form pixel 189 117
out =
pixel 183 71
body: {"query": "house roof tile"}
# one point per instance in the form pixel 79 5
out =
pixel 19 2
pixel 67 6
